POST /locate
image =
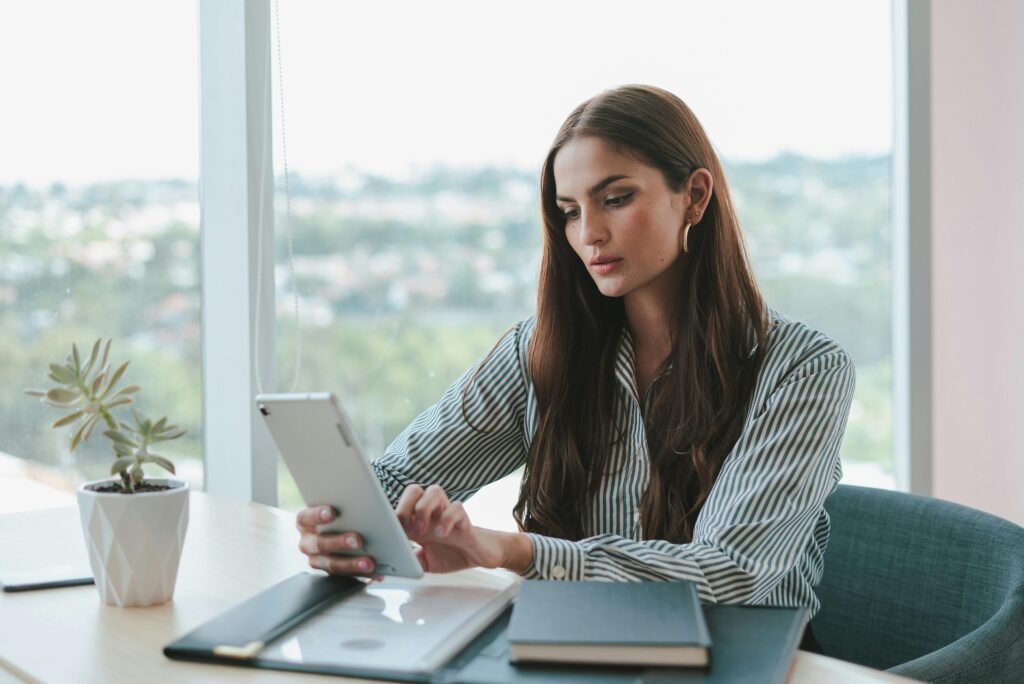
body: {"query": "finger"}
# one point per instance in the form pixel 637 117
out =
pixel 429 508
pixel 343 565
pixel 455 517
pixel 309 518
pixel 313 544
pixel 405 506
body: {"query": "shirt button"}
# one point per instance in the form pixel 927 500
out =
pixel 558 572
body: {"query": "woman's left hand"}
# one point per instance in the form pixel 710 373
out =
pixel 449 540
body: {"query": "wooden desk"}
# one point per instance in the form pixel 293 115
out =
pixel 233 550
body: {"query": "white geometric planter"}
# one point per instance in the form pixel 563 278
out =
pixel 134 541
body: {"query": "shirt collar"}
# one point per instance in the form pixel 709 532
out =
pixel 625 364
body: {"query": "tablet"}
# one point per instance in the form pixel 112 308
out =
pixel 320 449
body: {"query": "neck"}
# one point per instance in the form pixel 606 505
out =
pixel 648 324
pixel 647 314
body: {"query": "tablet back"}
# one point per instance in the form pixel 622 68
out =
pixel 321 451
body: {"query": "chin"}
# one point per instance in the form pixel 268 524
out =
pixel 613 290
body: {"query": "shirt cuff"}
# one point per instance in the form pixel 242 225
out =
pixel 392 489
pixel 555 559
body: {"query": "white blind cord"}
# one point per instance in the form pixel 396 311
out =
pixel 288 208
pixel 287 220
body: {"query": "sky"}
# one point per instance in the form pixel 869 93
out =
pixel 108 89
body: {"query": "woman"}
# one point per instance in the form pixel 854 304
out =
pixel 671 426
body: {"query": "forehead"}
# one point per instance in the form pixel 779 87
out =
pixel 587 160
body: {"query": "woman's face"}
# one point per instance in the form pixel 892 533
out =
pixel 621 218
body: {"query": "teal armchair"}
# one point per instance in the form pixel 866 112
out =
pixel 923 588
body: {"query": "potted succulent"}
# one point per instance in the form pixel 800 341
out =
pixel 134 526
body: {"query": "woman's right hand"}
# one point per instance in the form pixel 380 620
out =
pixel 322 548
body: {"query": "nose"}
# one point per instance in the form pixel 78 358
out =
pixel 592 230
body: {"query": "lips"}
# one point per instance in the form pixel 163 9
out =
pixel 604 265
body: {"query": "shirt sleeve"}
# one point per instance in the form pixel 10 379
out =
pixel 473 436
pixel 761 512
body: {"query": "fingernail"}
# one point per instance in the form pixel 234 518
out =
pixel 364 565
pixel 352 543
pixel 325 514
pixel 438 531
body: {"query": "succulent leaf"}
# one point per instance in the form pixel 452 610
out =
pixel 116 436
pixel 63 374
pixel 61 398
pixel 126 390
pixel 66 420
pixel 168 436
pixel 76 438
pixel 106 352
pixel 62 395
pixel 74 354
pixel 161 461
pixel 89 425
pixel 115 377
pixel 97 383
pixel 92 358
pixel 119 402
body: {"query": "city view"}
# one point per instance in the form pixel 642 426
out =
pixel 402 284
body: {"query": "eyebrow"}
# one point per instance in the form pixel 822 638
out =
pixel 596 188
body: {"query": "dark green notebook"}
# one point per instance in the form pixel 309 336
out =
pixel 611 623
pixel 750 645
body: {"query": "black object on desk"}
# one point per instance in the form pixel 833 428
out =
pixel 48 578
pixel 751 645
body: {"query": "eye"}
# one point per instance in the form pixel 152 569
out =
pixel 570 214
pixel 618 200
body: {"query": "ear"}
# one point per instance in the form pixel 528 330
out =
pixel 699 187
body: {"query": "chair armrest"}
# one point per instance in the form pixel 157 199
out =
pixel 994 652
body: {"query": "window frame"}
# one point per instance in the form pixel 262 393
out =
pixel 235 137
pixel 235 115
pixel 912 247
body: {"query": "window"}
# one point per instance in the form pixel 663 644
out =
pixel 413 159
pixel 415 133
pixel 98 226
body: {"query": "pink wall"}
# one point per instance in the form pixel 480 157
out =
pixel 977 253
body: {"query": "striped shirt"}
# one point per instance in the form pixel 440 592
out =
pixel 760 537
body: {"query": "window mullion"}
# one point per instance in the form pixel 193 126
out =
pixel 235 134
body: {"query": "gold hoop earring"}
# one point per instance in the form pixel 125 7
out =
pixel 686 234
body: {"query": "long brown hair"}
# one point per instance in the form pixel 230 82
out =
pixel 718 329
